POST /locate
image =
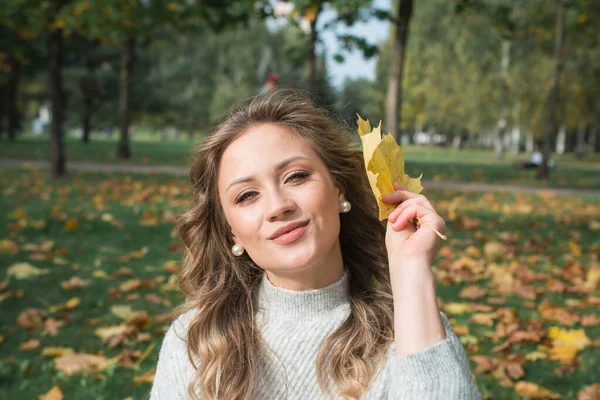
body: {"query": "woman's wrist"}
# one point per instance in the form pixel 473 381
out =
pixel 403 270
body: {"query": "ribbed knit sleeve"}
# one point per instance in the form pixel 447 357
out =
pixel 173 370
pixel 439 372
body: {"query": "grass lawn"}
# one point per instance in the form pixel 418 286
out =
pixel 518 278
pixel 435 163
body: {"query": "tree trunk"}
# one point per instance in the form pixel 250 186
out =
pixel 2 108
pixel 529 143
pixel 552 123
pixel 58 160
pixel 593 142
pixel 127 60
pixel 312 41
pixel 580 144
pixel 393 103
pixel 86 85
pixel 561 140
pixel 13 109
pixel 503 122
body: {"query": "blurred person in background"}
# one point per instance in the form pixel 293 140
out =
pixel 270 83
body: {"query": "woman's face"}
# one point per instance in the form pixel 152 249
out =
pixel 281 203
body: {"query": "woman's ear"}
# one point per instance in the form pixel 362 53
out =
pixel 341 194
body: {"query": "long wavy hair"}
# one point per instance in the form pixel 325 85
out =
pixel 222 288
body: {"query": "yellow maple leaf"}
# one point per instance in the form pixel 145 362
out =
pixel 384 163
pixel 566 343
pixel 69 305
pixel 57 351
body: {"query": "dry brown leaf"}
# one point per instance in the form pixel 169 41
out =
pixel 130 285
pixel 71 224
pixel 75 282
pixel 32 318
pixel 473 292
pixel 533 391
pixel 494 249
pixel 81 363
pixel 51 327
pixel 589 320
pixel 29 345
pixel 54 394
pixel 147 377
pixel 107 332
pixel 558 314
pixel 25 271
pixel 591 392
pixel 486 319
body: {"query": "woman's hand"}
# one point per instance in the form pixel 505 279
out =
pixel 411 250
pixel 407 244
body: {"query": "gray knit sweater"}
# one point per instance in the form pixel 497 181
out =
pixel 294 325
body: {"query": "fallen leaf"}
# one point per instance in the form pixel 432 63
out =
pixel 566 344
pixel 51 327
pixel 591 392
pixel 534 391
pixel 122 311
pixel 457 308
pixel 81 363
pixel 69 305
pixel 71 224
pixel 57 351
pixel 31 318
pixel 8 246
pixel 147 377
pixel 472 292
pixel 54 394
pixel 494 249
pixel 29 345
pixel 130 285
pixel 74 282
pixel 575 248
pixel 483 319
pixel 25 271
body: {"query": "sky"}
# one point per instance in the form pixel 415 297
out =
pixel 354 65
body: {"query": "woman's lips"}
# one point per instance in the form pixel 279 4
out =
pixel 292 236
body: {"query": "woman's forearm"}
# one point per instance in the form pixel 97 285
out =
pixel 417 321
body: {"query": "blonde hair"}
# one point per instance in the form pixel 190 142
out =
pixel 222 288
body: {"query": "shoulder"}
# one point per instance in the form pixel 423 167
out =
pixel 176 335
pixel 173 370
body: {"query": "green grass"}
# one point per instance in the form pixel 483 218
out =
pixel 469 165
pixel 537 232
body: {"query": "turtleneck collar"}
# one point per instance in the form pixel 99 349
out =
pixel 308 304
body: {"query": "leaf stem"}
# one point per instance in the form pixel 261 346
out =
pixel 441 235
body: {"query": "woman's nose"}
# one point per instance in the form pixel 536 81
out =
pixel 279 205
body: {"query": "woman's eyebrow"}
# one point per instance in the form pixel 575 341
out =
pixel 278 167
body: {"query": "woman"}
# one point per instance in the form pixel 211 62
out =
pixel 295 289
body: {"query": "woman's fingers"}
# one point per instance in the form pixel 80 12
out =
pixel 415 211
pixel 398 196
pixel 418 199
pixel 408 213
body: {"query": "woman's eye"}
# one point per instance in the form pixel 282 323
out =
pixel 297 176
pixel 244 196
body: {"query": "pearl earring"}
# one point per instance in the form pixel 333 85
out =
pixel 237 250
pixel 346 206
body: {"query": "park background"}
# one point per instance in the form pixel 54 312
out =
pixel 101 102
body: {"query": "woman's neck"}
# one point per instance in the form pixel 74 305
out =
pixel 315 276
